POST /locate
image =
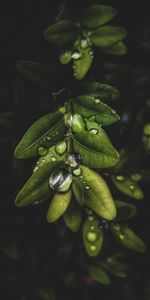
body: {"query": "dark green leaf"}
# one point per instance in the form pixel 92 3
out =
pixel 61 33
pixel 128 186
pixel 125 210
pixel 89 106
pixel 107 36
pixel 97 15
pixel 73 217
pixel 92 236
pixel 117 49
pixel 127 238
pixel 97 194
pixel 82 65
pixel 99 274
pixel 116 268
pixel 44 132
pixel 37 188
pixel 78 190
pixel 96 150
pixel 58 206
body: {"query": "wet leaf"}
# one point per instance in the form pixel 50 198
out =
pixel 78 190
pixel 45 132
pixel 96 150
pixel 97 194
pixel 117 49
pixel 99 274
pixel 97 15
pixel 89 106
pixel 127 238
pixel 107 36
pixel 73 216
pixel 125 210
pixel 82 65
pixel 128 186
pixel 92 236
pixel 37 188
pixel 58 206
pixel 61 33
pixel 116 268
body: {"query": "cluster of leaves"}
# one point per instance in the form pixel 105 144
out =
pixel 76 38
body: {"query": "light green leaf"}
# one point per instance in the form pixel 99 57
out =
pixel 125 210
pixel 62 33
pixel 78 190
pixel 97 15
pixel 82 65
pixel 97 194
pixel 128 186
pixel 89 106
pixel 99 274
pixel 96 150
pixel 37 188
pixel 107 36
pixel 127 238
pixel 44 132
pixel 92 236
pixel 65 57
pixel 73 216
pixel 58 206
pixel 117 49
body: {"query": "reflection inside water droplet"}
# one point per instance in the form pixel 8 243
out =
pixel 60 180
pixel 73 160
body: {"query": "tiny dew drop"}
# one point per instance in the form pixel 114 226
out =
pixel 81 177
pixel 97 101
pixel 136 177
pixel 36 202
pixel 35 169
pixel 93 248
pixel 61 147
pixel 91 218
pixel 43 160
pixel 62 109
pixel 87 187
pixel 84 43
pixel 121 236
pixel 91 236
pixel 92 228
pixel 131 187
pixel 94 131
pixel 138 194
pixel 42 151
pixel 91 118
pixel 77 172
pixel 48 138
pixel 53 158
pixel 76 55
pixel 120 177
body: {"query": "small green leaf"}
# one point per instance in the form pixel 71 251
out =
pixel 44 132
pixel 37 188
pixel 58 206
pixel 117 49
pixel 128 186
pixel 73 217
pixel 77 124
pixel 116 268
pixel 88 106
pixel 96 150
pixel 127 238
pixel 107 36
pixel 97 194
pixel 97 15
pixel 125 210
pixel 78 190
pixel 65 57
pixel 82 65
pixel 99 274
pixel 92 236
pixel 62 33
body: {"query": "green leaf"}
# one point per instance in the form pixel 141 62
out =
pixel 97 194
pixel 96 150
pixel 97 15
pixel 61 33
pixel 82 65
pixel 58 206
pixel 88 106
pixel 107 36
pixel 37 188
pixel 92 236
pixel 128 186
pixel 65 57
pixel 116 268
pixel 44 132
pixel 99 274
pixel 78 190
pixel 127 238
pixel 34 72
pixel 99 90
pixel 73 217
pixel 125 210
pixel 117 49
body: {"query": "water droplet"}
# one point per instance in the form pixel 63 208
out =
pixel 61 147
pixel 91 236
pixel 43 160
pixel 120 177
pixel 42 151
pixel 91 118
pixel 136 177
pixel 90 218
pixel 48 138
pixel 53 158
pixel 84 43
pixel 73 160
pixel 60 180
pixel 68 119
pixel 94 131
pixel 92 228
pixel 97 101
pixel 93 248
pixel 87 187
pixel 131 187
pixel 121 236
pixel 138 194
pixel 76 55
pixel 81 177
pixel 36 202
pixel 35 169
pixel 62 109
pixel 77 172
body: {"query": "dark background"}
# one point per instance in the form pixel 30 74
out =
pixel 38 260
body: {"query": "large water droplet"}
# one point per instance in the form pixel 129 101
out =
pixel 94 131
pixel 60 180
pixel 42 151
pixel 77 172
pixel 76 55
pixel 73 160
pixel 120 177
pixel 91 236
pixel 61 147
